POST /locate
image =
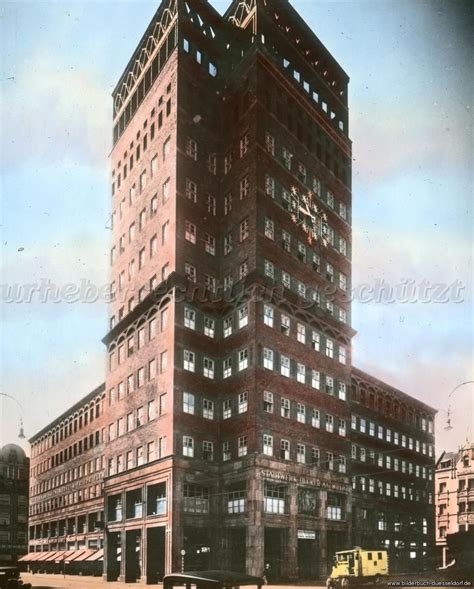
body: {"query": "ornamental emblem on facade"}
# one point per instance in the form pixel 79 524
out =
pixel 305 213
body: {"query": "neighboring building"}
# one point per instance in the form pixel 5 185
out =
pixel 232 412
pixel 454 487
pixel 66 483
pixel 392 436
pixel 14 471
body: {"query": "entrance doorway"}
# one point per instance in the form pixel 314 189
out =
pixel 133 559
pixel 272 553
pixel 155 555
pixel 308 559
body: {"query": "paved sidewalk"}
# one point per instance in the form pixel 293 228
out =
pixel 40 581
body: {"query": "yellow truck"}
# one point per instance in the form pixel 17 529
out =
pixel 357 567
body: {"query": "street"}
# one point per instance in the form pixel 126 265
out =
pixel 77 582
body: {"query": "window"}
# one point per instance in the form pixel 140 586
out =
pixel 209 327
pixel 343 247
pixel 189 361
pixel 268 315
pixel 142 180
pixel 267 445
pixel 191 190
pixel 210 244
pixel 274 498
pixel 343 210
pixel 242 446
pixel 243 269
pixel 285 449
pixel 243 145
pixel 227 163
pixel 342 391
pixel 315 341
pixel 285 324
pixel 243 316
pixel 269 269
pixel 315 418
pixel 244 230
pixel 190 231
pixel 301 413
pixel 269 228
pixel 227 203
pixel 301 453
pixel 287 156
pixel 284 366
pixel 236 500
pixel 196 499
pixel 208 368
pixel 243 359
pixel 189 318
pixel 270 143
pixel 329 348
pixel 190 272
pixel 227 244
pixel 227 326
pixel 188 403
pixel 342 464
pixel 269 186
pixel 211 283
pixel 268 358
pixel 226 409
pixel 342 427
pixel 286 279
pixel 244 187
pixel 268 401
pixel 227 367
pixel 226 455
pixel 165 191
pixel 300 373
pixel 188 446
pixel 301 333
pixel 334 509
pixel 191 148
pixel 285 408
pixel 208 450
pixel 329 423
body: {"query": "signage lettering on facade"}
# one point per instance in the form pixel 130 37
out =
pixel 277 475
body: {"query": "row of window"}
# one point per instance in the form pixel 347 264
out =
pixel 82 418
pixel 137 457
pixel 367 484
pixel 96 465
pixel 206 408
pixel 86 523
pixel 305 292
pixel 239 361
pixel 68 453
pixel 276 191
pixel 66 499
pixel 137 418
pixel 384 460
pixel 324 195
pixel 386 434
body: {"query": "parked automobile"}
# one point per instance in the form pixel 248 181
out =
pixel 10 578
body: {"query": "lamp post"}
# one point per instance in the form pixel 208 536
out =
pixel 21 434
pixel 448 425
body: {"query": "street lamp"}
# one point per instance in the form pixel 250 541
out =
pixel 21 435
pixel 448 425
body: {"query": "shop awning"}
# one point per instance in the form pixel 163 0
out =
pixel 45 556
pixel 29 556
pixel 72 557
pixel 83 555
pixel 62 556
pixel 96 556
pixel 51 555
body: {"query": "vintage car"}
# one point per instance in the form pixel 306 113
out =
pixel 211 580
pixel 10 578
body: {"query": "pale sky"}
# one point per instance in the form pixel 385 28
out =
pixel 410 64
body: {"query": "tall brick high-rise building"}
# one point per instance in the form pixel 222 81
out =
pixel 229 342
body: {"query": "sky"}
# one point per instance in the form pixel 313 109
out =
pixel 410 100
